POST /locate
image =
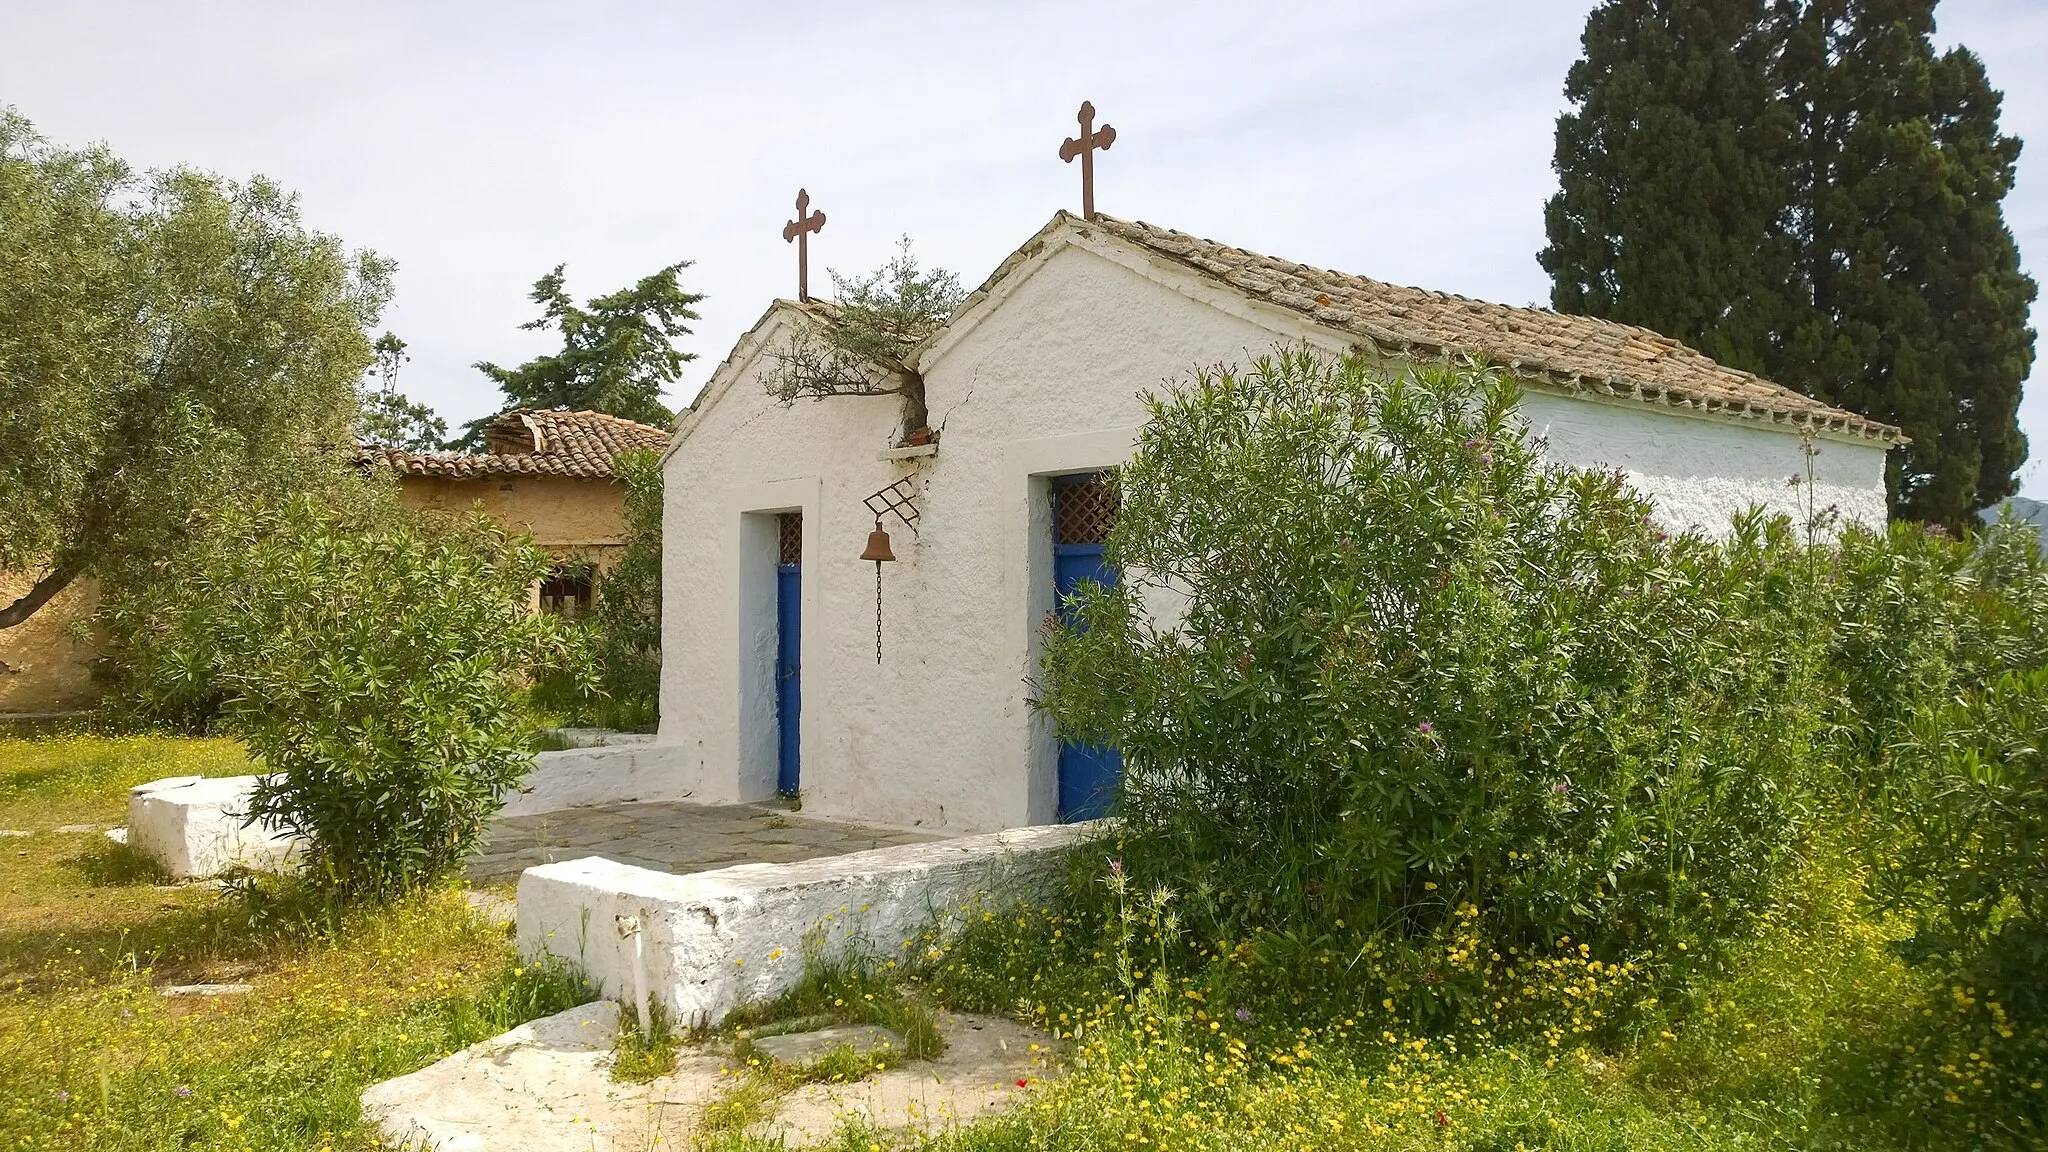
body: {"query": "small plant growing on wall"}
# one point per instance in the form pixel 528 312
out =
pixel 863 347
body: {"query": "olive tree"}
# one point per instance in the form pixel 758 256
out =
pixel 169 341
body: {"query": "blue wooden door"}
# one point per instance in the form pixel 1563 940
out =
pixel 789 700
pixel 1083 510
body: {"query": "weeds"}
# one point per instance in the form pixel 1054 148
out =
pixel 850 989
pixel 638 1056
pixel 1815 1034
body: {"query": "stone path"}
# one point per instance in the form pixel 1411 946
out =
pixel 673 836
pixel 546 1085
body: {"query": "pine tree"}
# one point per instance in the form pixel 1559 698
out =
pixel 1807 191
pixel 1919 312
pixel 617 351
pixel 1675 173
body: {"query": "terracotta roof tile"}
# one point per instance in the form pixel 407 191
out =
pixel 530 442
pixel 1576 353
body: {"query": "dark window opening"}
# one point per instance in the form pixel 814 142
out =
pixel 567 591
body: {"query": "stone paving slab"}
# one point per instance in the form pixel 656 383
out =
pixel 673 836
pixel 988 1066
pixel 546 1086
pixel 801 1048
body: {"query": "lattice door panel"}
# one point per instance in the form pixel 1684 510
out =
pixel 790 538
pixel 1084 508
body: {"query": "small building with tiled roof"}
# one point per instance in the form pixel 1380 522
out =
pixel 546 473
pixel 902 698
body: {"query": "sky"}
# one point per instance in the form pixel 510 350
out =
pixel 478 145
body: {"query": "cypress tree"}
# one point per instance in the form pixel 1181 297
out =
pixel 1676 172
pixel 1810 192
pixel 1919 307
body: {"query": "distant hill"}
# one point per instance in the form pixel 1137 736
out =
pixel 2034 512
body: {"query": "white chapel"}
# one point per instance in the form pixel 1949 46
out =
pixel 774 676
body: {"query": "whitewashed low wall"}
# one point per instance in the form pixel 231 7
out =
pixel 596 737
pixel 706 943
pixel 193 826
pixel 588 777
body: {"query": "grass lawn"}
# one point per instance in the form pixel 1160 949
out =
pixel 1816 1036
pixel 95 1057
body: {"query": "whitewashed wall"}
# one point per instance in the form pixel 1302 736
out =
pixel 1041 378
pixel 1701 471
pixel 939 735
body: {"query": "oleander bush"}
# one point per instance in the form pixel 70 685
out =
pixel 1428 693
pixel 1919 616
pixel 372 658
pixel 1939 673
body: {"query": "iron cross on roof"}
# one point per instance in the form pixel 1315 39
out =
pixel 799 230
pixel 1090 139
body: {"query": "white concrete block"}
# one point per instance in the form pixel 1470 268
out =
pixel 709 942
pixel 194 827
pixel 587 777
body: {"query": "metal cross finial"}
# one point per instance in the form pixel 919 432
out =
pixel 799 230
pixel 1090 139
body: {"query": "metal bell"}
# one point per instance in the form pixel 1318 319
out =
pixel 878 546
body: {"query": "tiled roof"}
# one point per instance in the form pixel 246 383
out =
pixel 531 442
pixel 1577 353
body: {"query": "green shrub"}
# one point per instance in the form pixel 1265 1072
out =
pixel 629 601
pixel 1940 664
pixel 1975 868
pixel 1425 684
pixel 1920 616
pixel 372 659
pixel 624 633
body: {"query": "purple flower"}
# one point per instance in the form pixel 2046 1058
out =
pixel 1560 787
pixel 1116 867
pixel 63 1097
pixel 1471 443
pixel 1244 1015
pixel 183 1092
pixel 1486 457
pixel 1425 727
pixel 1796 480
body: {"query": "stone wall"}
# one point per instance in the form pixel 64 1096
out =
pixel 45 666
pixel 567 515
